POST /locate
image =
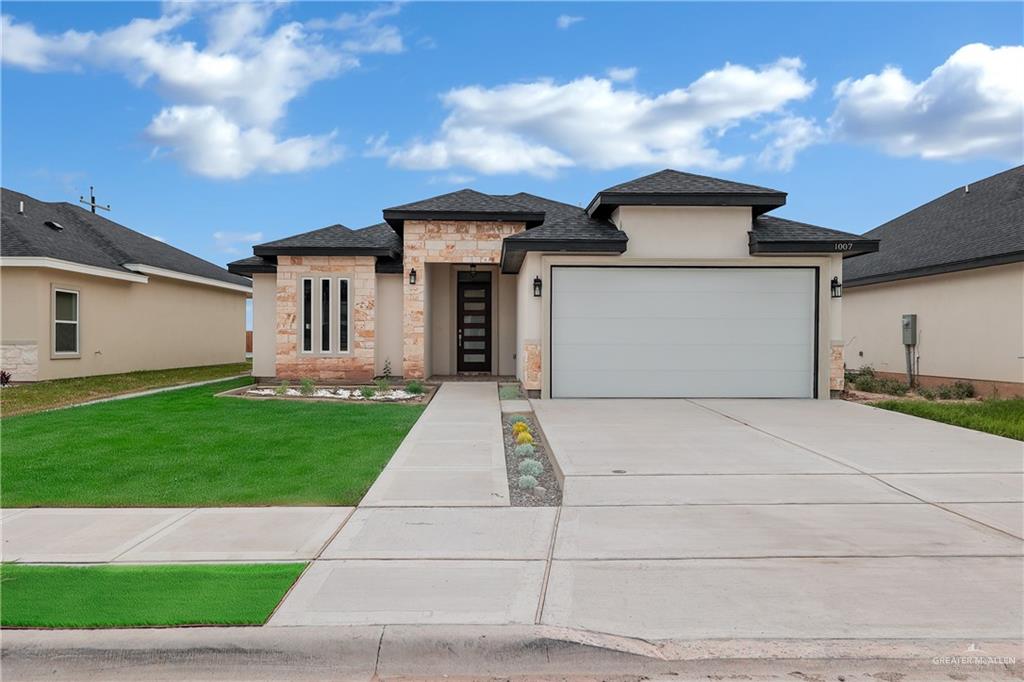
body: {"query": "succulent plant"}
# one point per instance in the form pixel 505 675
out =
pixel 531 467
pixel 519 427
pixel 517 419
pixel 526 482
pixel 524 450
pixel 524 438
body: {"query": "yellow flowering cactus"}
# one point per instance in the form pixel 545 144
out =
pixel 519 427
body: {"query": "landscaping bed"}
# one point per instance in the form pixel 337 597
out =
pixel 530 485
pixel 142 596
pixel 381 392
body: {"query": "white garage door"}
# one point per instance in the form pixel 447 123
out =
pixel 620 332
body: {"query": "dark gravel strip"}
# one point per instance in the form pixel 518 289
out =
pixel 551 496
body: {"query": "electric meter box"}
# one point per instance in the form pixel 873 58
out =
pixel 910 330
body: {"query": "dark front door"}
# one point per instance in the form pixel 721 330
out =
pixel 473 330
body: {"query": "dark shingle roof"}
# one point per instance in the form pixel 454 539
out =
pixel 464 204
pixel 573 232
pixel 959 230
pixel 675 188
pixel 769 234
pixel 333 239
pixel 553 210
pixel 91 239
pixel 251 265
pixel 671 181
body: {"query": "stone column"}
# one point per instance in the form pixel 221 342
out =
pixel 414 303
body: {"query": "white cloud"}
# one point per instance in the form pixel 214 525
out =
pixel 543 126
pixel 236 242
pixel 622 74
pixel 789 136
pixel 370 36
pixel 211 144
pixel 970 106
pixel 564 21
pixel 234 90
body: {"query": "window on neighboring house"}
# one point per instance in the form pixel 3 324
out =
pixel 325 315
pixel 343 315
pixel 307 315
pixel 65 322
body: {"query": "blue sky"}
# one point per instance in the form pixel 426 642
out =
pixel 213 126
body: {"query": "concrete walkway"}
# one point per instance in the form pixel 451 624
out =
pixel 83 536
pixel 453 457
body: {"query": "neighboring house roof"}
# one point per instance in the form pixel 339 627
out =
pixel 64 232
pixel 769 234
pixel 975 226
pixel 464 204
pixel 674 188
pixel 334 240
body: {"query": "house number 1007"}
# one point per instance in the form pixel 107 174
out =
pixel 843 246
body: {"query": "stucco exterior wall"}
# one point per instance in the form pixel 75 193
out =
pixel 685 231
pixel 358 363
pixel 123 326
pixel 264 324
pixel 970 324
pixel 389 323
pixel 439 241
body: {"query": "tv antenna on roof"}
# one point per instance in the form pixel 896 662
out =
pixel 92 201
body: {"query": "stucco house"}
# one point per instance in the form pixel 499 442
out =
pixel 82 295
pixel 672 284
pixel 957 263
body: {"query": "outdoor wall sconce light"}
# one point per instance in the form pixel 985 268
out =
pixel 537 284
pixel 412 276
pixel 837 288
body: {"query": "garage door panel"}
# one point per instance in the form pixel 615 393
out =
pixel 711 357
pixel 584 331
pixel 682 332
pixel 698 384
pixel 629 306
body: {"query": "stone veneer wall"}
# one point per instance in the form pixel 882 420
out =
pixel 358 364
pixel 837 369
pixel 21 359
pixel 531 366
pixel 441 241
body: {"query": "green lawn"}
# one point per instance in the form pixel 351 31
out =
pixel 1001 417
pixel 189 448
pixel 126 596
pixel 25 398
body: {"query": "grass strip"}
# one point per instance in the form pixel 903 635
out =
pixel 999 417
pixel 135 596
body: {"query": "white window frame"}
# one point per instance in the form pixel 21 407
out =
pixel 77 322
pixel 320 319
pixel 348 316
pixel 302 315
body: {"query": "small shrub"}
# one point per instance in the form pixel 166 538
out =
pixel 383 385
pixel 5 377
pixel 944 391
pixel 963 390
pixel 892 387
pixel 520 427
pixel 926 393
pixel 283 387
pixel 866 371
pixel 531 467
pixel 414 387
pixel 868 384
pixel 386 374
pixel 526 482
pixel 524 450
pixel 367 391
pixel 509 392
pixel 517 419
pixel 306 387
pixel 524 438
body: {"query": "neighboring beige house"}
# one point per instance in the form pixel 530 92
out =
pixel 957 263
pixel 668 285
pixel 81 295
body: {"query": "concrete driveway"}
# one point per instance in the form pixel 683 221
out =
pixel 781 519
